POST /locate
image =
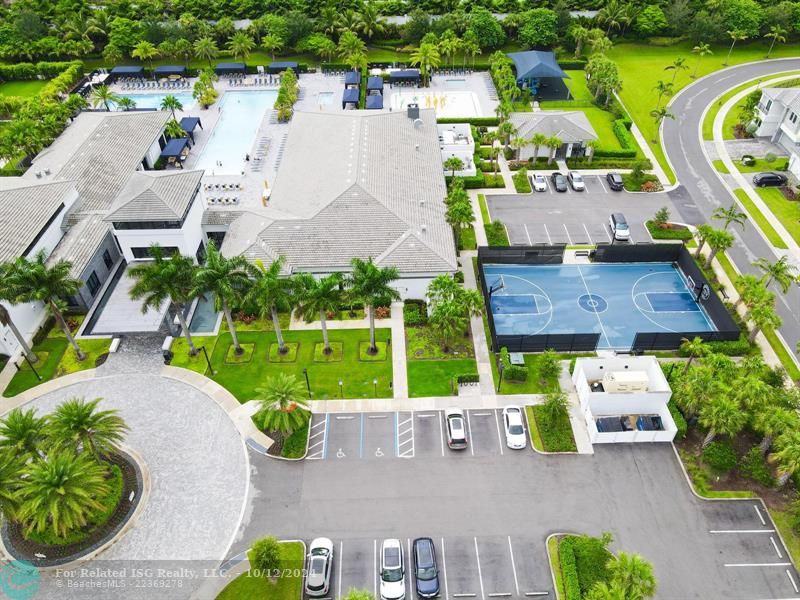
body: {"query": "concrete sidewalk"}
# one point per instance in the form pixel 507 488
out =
pixel 419 404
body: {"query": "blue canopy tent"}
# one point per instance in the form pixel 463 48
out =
pixel 350 96
pixel 123 71
pixel 375 102
pixel 189 124
pixel 175 151
pixel 537 70
pixel 404 76
pixel 167 70
pixel 352 78
pixel 375 84
pixel 280 67
pixel 228 68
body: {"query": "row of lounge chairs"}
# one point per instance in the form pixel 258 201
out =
pixel 223 199
pixel 182 84
pixel 222 187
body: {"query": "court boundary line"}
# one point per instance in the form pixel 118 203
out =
pixel 544 295
pixel 596 314
pixel 658 312
pixel 712 327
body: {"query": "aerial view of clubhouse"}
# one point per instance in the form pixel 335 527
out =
pixel 496 306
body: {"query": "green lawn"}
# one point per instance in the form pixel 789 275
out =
pixel 434 377
pixel 467 240
pixel 245 587
pixel 760 219
pixel 720 166
pixel 783 521
pixel 242 379
pixel 22 88
pixel 760 165
pixel 535 384
pixel 579 92
pixel 550 435
pixel 641 66
pixel 788 212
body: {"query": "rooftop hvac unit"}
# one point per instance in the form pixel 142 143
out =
pixel 625 382
pixel 413 111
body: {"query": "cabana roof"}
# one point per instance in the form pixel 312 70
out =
pixel 279 66
pixel 375 83
pixel 535 64
pixel 189 124
pixel 352 78
pixel 375 102
pixel 170 70
pixel 230 67
pixel 404 75
pixel 350 96
pixel 174 148
pixel 127 71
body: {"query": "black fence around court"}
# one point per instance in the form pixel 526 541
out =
pixel 561 342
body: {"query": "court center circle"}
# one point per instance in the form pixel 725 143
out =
pixel 593 303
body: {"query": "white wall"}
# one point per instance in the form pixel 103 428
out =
pixel 28 318
pixel 612 437
pixel 153 154
pixel 794 165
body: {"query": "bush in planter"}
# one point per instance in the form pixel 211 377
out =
pixel 415 313
pixel 754 466
pixel 748 160
pixel 720 456
pixel 770 158
pixel 512 372
pixel 265 556
pixel 650 186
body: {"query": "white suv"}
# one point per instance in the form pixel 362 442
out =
pixel 619 227
pixel 393 571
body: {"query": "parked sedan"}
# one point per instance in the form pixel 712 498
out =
pixel 769 179
pixel 515 430
pixel 539 183
pixel 559 182
pixel 615 182
pixel 320 566
pixel 393 571
pixel 426 573
pixel 576 181
pixel 456 429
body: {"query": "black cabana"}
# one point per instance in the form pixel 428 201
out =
pixel 536 70
pixel 279 67
pixel 126 71
pixel 167 70
pixel 175 151
pixel 375 84
pixel 189 124
pixel 350 96
pixel 352 78
pixel 404 76
pixel 375 102
pixel 227 68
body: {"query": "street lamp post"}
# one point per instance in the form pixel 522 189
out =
pixel 208 362
pixel 308 384
pixel 341 390
pixel 30 364
pixel 500 368
pixel 375 385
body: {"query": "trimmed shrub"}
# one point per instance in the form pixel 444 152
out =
pixel 612 153
pixel 459 276
pixel 720 456
pixel 569 571
pixel 680 421
pixel 621 129
pixel 415 313
pixel 512 372
pixel 740 347
pixel 478 121
pixel 754 466
pixel 591 560
pixel 265 556
pixel 496 234
pixel 522 184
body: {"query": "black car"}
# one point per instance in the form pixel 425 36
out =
pixel 426 573
pixel 769 179
pixel 615 182
pixel 559 182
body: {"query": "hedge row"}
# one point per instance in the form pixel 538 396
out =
pixel 611 153
pixel 477 121
pixel 680 421
pixel 621 129
pixel 569 570
pixel 480 181
pixel 415 313
pixel 512 372
pixel 44 70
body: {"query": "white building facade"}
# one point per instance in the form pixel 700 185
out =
pixel 455 141
pixel 778 118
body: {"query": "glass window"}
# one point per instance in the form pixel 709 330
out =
pixel 145 252
pixel 94 283
pixel 107 259
pixel 793 118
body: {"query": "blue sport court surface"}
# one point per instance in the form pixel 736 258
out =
pixel 615 300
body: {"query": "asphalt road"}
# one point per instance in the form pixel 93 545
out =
pixel 490 509
pixel 700 184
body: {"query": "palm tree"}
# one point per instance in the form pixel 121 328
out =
pixel 125 103
pixel 506 130
pixel 603 590
pixel 61 493
pixel 7 295
pixel 173 130
pixel 227 279
pixel 664 89
pixel 659 115
pixel 23 433
pixel 537 140
pixel 763 315
pixel 453 164
pixel 206 48
pixel 679 64
pixel 35 281
pixel 776 34
pixel 611 15
pixel 721 414
pixel 702 49
pixel 11 467
pixel 241 45
pixel 370 284
pixel 171 103
pixel 729 215
pixel 427 57
pixel 600 45
pixel 165 279
pixel 183 48
pixel 553 143
pixel 750 288
pixel 272 44
pixel 702 235
pixel 144 50
pixel 459 215
pixel 347 20
pixel 736 36
pixel 579 35
pixel 102 94
pixel 271 293
pixel 771 422
pixel 282 406
pixel 696 389
pixel 694 348
pixel 369 21
pixel 634 575
pixel 318 297
pixel 352 49
pixel 787 456
pixel 718 239
pixel 781 271
pixel 78 425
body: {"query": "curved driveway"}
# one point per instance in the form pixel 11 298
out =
pixel 701 189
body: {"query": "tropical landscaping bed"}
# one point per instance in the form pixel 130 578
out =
pixel 551 430
pixel 253 585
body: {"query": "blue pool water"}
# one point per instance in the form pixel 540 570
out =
pixel 615 300
pixel 154 100
pixel 325 98
pixel 456 84
pixel 204 319
pixel 240 117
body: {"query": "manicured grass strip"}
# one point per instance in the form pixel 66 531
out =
pixel 522 184
pixel 788 212
pixel 234 359
pixel 556 434
pixel 484 209
pixel 435 377
pixel 467 239
pixel 197 363
pixel 783 354
pixel 287 356
pixel 728 267
pixel 365 355
pixel 774 238
pixel 760 165
pixel 783 521
pixel 247 587
pixel 555 565
pixel 675 233
pixel 25 89
pixel 720 166
pixel 536 437
pixel 92 348
pixel 335 354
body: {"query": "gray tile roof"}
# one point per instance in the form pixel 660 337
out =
pixel 25 209
pixel 220 217
pixel 156 196
pixel 569 126
pixel 787 96
pixel 358 184
pixel 80 243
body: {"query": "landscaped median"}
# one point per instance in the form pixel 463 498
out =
pixel 282 581
pixel 758 217
pixel 496 234
pixel 550 427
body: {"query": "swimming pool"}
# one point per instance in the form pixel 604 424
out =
pixel 204 318
pixel 456 84
pixel 240 116
pixel 325 98
pixel 447 104
pixel 154 100
pixel 616 301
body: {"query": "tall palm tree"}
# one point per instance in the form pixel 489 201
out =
pixel 679 64
pixel 23 433
pixel 729 215
pixel 634 575
pixel 721 414
pixel 694 348
pixel 282 405
pixel 427 57
pixel 171 103
pixel 370 284
pixel 183 48
pixel 736 36
pixel 663 88
pixel 78 425
pixel 579 35
pixel 272 44
pixel 718 240
pixel 318 297
pixel 206 48
pixel 702 49
pixel 696 389
pixel 781 271
pixel 11 468
pixel 611 15
pixel 102 94
pixel 347 20
pixel 165 279
pixel 659 115
pixel 7 295
pixel 777 34
pixel 241 45
pixel 352 49
pixel 787 456
pixel 369 21
pixel 125 103
pixel 763 315
pixel 537 141
pixel 35 281
pixel 271 292
pixel 227 279
pixel 553 143
pixel 771 422
pixel 144 50
pixel 60 493
pixel 173 130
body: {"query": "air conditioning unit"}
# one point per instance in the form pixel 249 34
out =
pixel 625 382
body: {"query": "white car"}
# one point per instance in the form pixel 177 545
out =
pixel 515 430
pixel 456 429
pixel 539 183
pixel 576 181
pixel 393 570
pixel 320 566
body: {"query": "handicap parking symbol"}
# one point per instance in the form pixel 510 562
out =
pixel 340 453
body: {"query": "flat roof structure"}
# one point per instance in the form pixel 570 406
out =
pixel 352 78
pixel 374 102
pixel 166 70
pixel 280 66
pixel 375 83
pixel 404 75
pixel 127 71
pixel 224 68
pixel 350 96
pixel 123 314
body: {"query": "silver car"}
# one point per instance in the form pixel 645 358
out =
pixel 320 567
pixel 515 430
pixel 456 429
pixel 576 181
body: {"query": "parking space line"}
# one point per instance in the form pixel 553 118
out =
pixel 602 185
pixel 471 441
pixel 569 237
pixel 345 417
pixel 760 516
pixel 741 531
pixel 441 434
pixel 588 235
pixel 537 594
pixel 774 545
pixel 376 416
pixel 776 564
pixel 339 580
pixel 400 432
pixel 499 437
pixel 375 568
pixel 361 439
pixel 513 566
pixel 549 239
pixel 791 579
pixel 527 233
pixel 480 575
pixel 407 561
pixel 425 416
pixel 312 454
pixel 444 570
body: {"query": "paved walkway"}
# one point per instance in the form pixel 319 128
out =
pixel 482 354
pixel 400 373
pixel 576 418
